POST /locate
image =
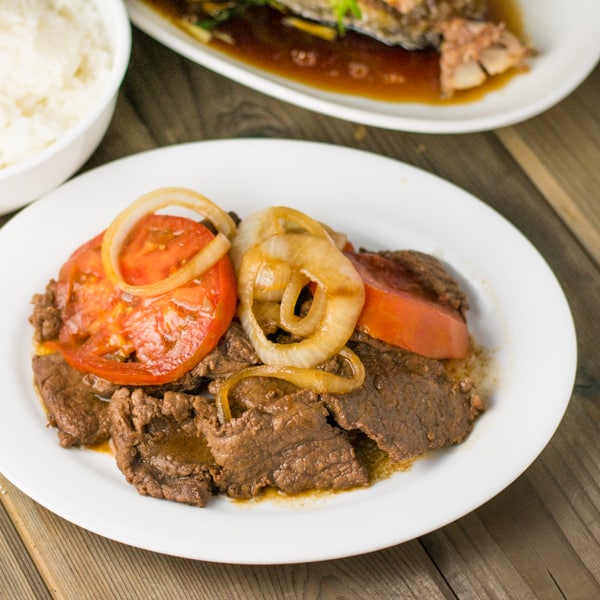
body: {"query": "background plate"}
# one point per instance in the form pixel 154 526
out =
pixel 564 33
pixel 532 376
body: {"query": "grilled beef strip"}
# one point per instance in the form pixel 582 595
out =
pixel 158 446
pixel 283 441
pixel 408 403
pixel 45 316
pixel 72 402
pixel 433 275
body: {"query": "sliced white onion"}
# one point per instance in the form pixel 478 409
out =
pixel 267 315
pixel 271 281
pixel 316 380
pixel 275 220
pixel 307 324
pixel 338 238
pixel 318 260
pixel 116 236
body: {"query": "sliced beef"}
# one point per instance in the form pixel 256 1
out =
pixel 45 317
pixel 408 404
pixel 102 387
pixel 159 447
pixel 253 392
pixel 72 402
pixel 233 353
pixel 432 275
pixel 286 443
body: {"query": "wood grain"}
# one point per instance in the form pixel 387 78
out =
pixel 19 577
pixel 560 152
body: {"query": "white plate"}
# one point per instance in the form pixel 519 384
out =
pixel 380 203
pixel 564 33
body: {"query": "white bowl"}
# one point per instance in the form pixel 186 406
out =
pixel 27 180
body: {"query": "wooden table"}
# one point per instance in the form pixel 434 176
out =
pixel 539 538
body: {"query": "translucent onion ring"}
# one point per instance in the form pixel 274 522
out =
pixel 267 314
pixel 116 235
pixel 316 380
pixel 288 320
pixel 275 220
pixel 321 262
pixel 271 281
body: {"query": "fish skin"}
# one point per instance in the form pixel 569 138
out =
pixel 471 49
pixel 411 24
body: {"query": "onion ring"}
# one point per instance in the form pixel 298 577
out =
pixel 115 238
pixel 318 260
pixel 277 220
pixel 316 380
pixel 271 281
pixel 305 325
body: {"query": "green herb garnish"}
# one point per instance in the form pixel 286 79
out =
pixel 341 8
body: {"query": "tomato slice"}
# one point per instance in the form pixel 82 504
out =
pixel 131 340
pixel 399 311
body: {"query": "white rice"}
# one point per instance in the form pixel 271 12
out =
pixel 54 60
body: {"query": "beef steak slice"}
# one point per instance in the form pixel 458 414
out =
pixel 158 444
pixel 432 274
pixel 71 400
pixel 285 443
pixel 45 316
pixel 408 404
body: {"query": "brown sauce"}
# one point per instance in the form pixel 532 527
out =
pixel 105 447
pixel 195 449
pixel 354 64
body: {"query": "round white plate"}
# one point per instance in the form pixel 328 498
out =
pixel 564 33
pixel 379 203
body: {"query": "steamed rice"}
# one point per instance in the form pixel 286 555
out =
pixel 54 60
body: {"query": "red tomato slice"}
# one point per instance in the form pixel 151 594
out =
pixel 399 311
pixel 132 340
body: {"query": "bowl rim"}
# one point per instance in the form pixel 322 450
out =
pixel 116 21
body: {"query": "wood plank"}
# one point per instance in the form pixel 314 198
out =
pixel 489 549
pixel 566 168
pixel 19 577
